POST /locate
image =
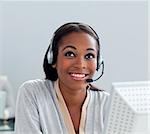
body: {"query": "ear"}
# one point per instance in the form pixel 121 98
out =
pixel 54 66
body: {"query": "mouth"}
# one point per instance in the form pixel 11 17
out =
pixel 78 76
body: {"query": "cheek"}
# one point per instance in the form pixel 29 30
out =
pixel 61 65
pixel 92 65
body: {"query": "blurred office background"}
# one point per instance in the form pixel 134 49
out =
pixel 27 27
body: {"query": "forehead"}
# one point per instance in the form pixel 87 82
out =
pixel 79 40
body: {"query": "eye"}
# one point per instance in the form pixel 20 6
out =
pixel 89 56
pixel 69 54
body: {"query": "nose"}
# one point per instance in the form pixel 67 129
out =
pixel 80 63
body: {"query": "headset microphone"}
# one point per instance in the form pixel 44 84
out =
pixel 91 80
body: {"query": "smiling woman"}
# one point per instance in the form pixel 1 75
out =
pixel 76 62
pixel 64 102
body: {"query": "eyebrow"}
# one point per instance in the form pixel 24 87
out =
pixel 89 49
pixel 69 46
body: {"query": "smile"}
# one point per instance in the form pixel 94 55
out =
pixel 78 76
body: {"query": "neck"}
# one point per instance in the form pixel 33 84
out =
pixel 73 98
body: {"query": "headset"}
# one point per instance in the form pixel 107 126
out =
pixel 50 54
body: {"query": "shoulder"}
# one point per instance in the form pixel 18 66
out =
pixel 37 83
pixel 35 87
pixel 33 82
pixel 99 93
pixel 99 90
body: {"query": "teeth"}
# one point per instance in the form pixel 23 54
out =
pixel 78 75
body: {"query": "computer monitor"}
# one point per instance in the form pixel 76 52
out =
pixel 6 96
pixel 128 108
pixel 2 103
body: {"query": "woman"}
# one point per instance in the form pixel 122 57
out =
pixel 65 102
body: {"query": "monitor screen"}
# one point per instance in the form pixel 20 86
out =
pixel 128 109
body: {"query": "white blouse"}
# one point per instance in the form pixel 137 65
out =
pixel 39 110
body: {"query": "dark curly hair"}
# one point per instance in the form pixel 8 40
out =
pixel 50 71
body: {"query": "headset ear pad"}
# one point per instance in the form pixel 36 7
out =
pixel 50 71
pixel 99 62
pixel 50 52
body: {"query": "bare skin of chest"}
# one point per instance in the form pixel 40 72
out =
pixel 75 114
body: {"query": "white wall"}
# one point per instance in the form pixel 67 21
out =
pixel 0 38
pixel 122 27
pixel 148 40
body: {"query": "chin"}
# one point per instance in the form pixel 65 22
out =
pixel 79 86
